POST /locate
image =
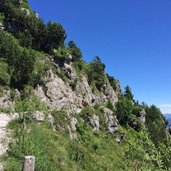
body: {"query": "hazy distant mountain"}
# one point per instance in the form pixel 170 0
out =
pixel 168 117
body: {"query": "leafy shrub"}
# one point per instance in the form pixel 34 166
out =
pixel 20 60
pixel 96 73
pixel 112 82
pixel 75 51
pixel 4 79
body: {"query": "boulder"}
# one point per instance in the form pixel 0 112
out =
pixel 72 128
pixel 95 122
pixel 38 116
pixel 111 121
pixel 142 115
pixel 1 26
pixel 4 132
pixel 5 99
pixel 1 167
pixel 27 11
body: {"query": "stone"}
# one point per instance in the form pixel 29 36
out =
pixel 5 100
pixel 1 26
pixel 111 121
pixel 52 122
pixel 1 167
pixel 17 94
pixel 95 122
pixel 72 128
pixel 37 15
pixel 120 138
pixel 142 115
pixel 29 163
pixel 38 116
pixel 59 94
pixel 4 132
pixel 26 10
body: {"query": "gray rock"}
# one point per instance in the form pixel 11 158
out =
pixel 72 128
pixel 38 116
pixel 26 10
pixel 111 120
pixel 95 122
pixel 5 100
pixel 17 94
pixel 142 115
pixel 120 138
pixel 4 132
pixel 52 122
pixel 60 95
pixel 1 26
pixel 108 93
pixel 29 163
pixel 37 15
pixel 1 167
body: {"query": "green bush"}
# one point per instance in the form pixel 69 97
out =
pixel 20 60
pixel 75 51
pixel 96 73
pixel 4 79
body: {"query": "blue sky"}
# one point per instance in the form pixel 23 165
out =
pixel 133 39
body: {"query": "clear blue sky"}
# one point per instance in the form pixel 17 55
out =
pixel 132 37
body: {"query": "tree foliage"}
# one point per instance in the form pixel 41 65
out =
pixel 20 60
pixel 96 73
pixel 128 93
pixel 75 51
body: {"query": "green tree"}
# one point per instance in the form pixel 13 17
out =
pixel 128 93
pixel 20 60
pixel 96 73
pixel 123 110
pixel 55 36
pixel 156 125
pixel 75 51
pixel 112 82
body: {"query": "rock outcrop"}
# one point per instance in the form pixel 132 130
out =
pixel 72 128
pixel 95 122
pixel 38 116
pixel 111 121
pixel 5 99
pixel 4 132
pixel 60 95
pixel 142 115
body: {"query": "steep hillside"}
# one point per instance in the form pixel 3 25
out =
pixel 70 115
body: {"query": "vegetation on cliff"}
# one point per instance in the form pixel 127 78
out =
pixel 103 136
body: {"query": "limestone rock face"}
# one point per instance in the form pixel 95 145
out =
pixel 52 122
pixel 118 88
pixel 111 121
pixel 142 115
pixel 95 122
pixel 5 99
pixel 38 116
pixel 1 167
pixel 72 128
pixel 29 163
pixel 4 132
pixel 59 95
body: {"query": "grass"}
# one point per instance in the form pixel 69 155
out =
pixel 92 151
